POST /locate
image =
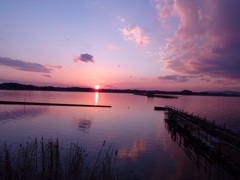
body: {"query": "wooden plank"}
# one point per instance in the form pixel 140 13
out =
pixel 51 104
pixel 158 108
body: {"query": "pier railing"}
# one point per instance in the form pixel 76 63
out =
pixel 201 154
pixel 216 141
pixel 210 127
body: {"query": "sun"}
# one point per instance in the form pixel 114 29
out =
pixel 96 87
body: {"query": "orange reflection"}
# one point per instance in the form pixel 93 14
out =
pixel 137 148
pixel 96 98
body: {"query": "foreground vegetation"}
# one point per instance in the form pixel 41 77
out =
pixel 45 159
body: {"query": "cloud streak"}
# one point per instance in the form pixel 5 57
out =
pixel 175 78
pixel 122 20
pixel 24 66
pixel 84 58
pixel 136 34
pixel 207 41
pixel 113 47
pixel 56 67
pixel 47 75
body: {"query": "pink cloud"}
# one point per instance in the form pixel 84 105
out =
pixel 165 11
pixel 135 33
pixel 207 41
pixel 47 75
pixel 113 47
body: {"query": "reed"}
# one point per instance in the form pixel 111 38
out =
pixel 46 160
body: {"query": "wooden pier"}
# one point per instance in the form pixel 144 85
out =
pixel 216 142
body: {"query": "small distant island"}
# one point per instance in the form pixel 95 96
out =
pixel 17 86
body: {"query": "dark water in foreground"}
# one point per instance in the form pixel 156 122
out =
pixel 139 133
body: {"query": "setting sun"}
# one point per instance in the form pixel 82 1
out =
pixel 96 87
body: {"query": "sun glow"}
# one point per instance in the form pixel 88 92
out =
pixel 96 87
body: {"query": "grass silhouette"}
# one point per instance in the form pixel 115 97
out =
pixel 46 160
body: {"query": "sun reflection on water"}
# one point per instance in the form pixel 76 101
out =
pixel 96 98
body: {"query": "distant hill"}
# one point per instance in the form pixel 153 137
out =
pixel 232 93
pixel 228 93
pixel 17 86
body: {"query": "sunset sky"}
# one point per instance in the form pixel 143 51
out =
pixel 122 44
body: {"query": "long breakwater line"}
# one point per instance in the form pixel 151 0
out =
pixel 51 104
pixel 219 143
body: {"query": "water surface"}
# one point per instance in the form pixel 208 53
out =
pixel 139 133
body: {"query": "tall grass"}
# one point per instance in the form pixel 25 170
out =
pixel 46 160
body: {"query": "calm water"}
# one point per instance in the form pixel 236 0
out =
pixel 132 126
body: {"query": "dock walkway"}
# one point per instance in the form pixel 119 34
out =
pixel 218 142
pixel 209 127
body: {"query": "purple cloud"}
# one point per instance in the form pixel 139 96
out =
pixel 207 41
pixel 175 78
pixel 23 65
pixel 85 58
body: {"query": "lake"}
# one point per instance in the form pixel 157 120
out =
pixel 140 134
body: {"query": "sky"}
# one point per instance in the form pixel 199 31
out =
pixel 122 44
